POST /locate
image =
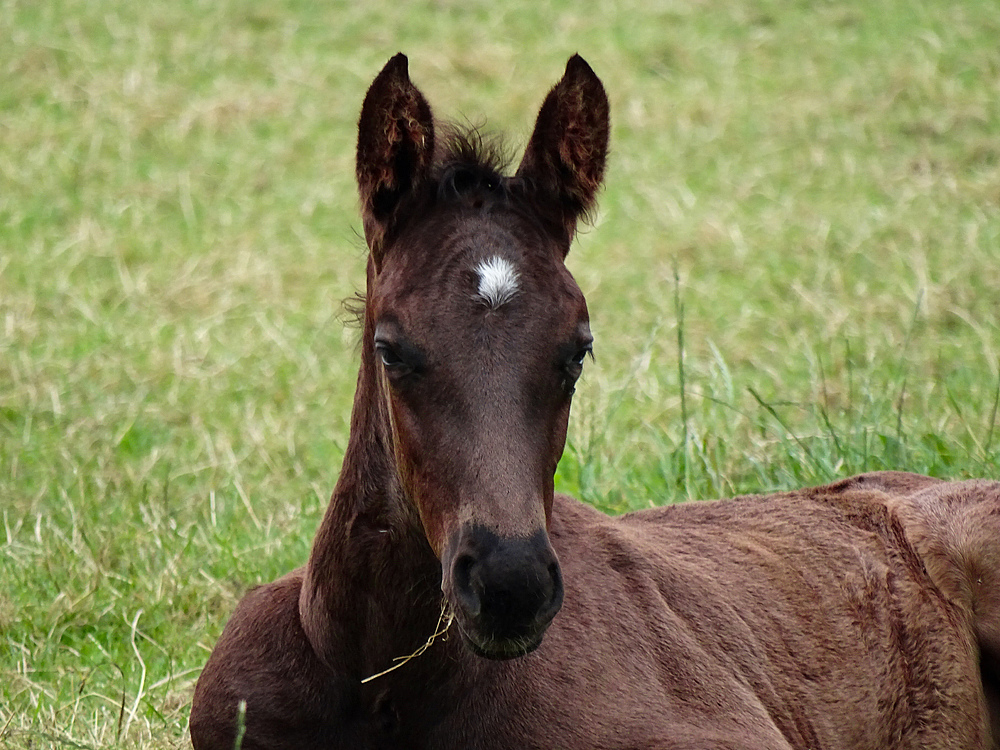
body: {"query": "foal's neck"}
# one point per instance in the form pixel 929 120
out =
pixel 372 583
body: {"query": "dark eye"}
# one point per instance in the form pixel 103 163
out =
pixel 573 367
pixel 402 360
pixel 397 360
pixel 577 359
pixel 390 358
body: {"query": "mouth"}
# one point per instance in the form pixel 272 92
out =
pixel 499 649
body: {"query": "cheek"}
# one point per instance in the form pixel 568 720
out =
pixel 406 444
pixel 557 434
pixel 551 451
pixel 418 467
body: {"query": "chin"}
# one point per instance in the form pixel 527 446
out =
pixel 500 649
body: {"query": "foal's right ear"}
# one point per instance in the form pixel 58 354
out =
pixel 395 149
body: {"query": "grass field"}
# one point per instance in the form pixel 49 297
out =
pixel 803 201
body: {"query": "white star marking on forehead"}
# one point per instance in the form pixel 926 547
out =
pixel 498 281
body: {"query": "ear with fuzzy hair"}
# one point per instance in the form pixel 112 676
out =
pixel 395 149
pixel 566 155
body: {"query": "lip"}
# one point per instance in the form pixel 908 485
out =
pixel 499 649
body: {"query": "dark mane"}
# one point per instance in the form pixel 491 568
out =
pixel 469 159
pixel 469 147
pixel 470 165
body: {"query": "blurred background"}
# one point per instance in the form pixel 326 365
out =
pixel 793 276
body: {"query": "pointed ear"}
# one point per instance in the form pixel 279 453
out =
pixel 395 148
pixel 566 154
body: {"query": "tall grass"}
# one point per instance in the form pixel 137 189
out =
pixel 793 277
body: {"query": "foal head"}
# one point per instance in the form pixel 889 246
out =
pixel 478 334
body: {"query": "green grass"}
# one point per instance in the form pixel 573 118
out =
pixel 807 195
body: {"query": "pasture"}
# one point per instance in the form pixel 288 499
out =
pixel 792 276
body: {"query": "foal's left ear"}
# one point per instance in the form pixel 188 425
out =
pixel 566 154
pixel 395 149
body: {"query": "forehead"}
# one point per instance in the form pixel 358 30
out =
pixel 490 260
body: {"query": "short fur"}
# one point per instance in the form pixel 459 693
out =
pixel 862 614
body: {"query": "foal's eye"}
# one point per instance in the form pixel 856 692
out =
pixel 574 366
pixel 390 357
pixel 581 355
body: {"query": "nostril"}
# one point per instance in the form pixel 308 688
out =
pixel 465 581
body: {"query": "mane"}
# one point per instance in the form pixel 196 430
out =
pixel 467 159
pixel 469 147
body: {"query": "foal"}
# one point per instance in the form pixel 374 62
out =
pixel 863 614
